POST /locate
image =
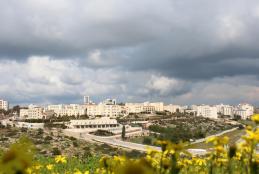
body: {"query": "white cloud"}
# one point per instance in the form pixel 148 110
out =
pixel 164 85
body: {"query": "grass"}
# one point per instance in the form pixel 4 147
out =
pixel 234 136
pixel 140 140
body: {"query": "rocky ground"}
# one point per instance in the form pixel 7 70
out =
pixel 54 142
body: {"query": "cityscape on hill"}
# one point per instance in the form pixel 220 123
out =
pixel 129 87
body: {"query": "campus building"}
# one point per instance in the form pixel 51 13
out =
pixel 207 111
pixel 32 112
pixel 4 105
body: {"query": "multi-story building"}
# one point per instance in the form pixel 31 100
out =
pixel 159 106
pixel 244 110
pixel 134 108
pixel 241 113
pixel 103 109
pixel 32 112
pixel 207 111
pixel 86 99
pixel 24 112
pixel 4 105
pixel 172 108
pixel 225 110
pixel 67 110
pixel 144 107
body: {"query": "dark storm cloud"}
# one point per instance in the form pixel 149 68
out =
pixel 133 50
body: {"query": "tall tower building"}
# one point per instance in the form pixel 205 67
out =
pixel 86 99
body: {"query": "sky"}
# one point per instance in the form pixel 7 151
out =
pixel 175 51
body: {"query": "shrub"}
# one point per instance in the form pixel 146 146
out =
pixel 56 151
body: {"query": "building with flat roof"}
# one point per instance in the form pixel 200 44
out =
pixel 67 110
pixel 32 112
pixel 103 109
pixel 207 111
pixel 102 123
pixel 4 105
pixel 144 107
pixel 244 110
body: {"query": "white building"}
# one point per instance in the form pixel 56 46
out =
pixel 172 108
pixel 159 106
pixel 226 110
pixel 68 110
pixel 86 99
pixel 103 109
pixel 134 107
pixel 109 102
pixel 32 112
pixel 29 125
pixel 244 110
pixel 24 112
pixel 207 111
pixel 144 107
pixel 242 113
pixel 4 105
pixel 102 123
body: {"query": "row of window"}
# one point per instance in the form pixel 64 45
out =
pixel 97 126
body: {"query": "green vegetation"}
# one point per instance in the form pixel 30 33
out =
pixel 182 128
pixel 234 137
pixel 102 133
pixel 224 158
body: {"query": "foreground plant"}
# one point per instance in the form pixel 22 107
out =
pixel 172 159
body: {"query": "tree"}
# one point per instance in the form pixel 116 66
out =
pixel 147 140
pixel 123 133
pixel 56 151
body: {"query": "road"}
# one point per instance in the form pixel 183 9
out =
pixel 124 144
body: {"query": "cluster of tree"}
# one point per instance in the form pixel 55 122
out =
pixel 102 133
pixel 15 109
pixel 177 133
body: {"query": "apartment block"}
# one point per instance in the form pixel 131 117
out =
pixel 4 105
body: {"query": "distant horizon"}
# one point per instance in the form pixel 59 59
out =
pixel 97 102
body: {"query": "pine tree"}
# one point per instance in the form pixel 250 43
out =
pixel 123 133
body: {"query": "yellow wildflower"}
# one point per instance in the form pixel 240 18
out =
pixel 60 159
pixel 212 139
pixel 78 172
pixel 29 171
pixel 255 118
pixel 37 166
pixel 49 166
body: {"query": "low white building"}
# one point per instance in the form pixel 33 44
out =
pixel 30 125
pixel 7 122
pixel 207 111
pixel 4 105
pixel 102 123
